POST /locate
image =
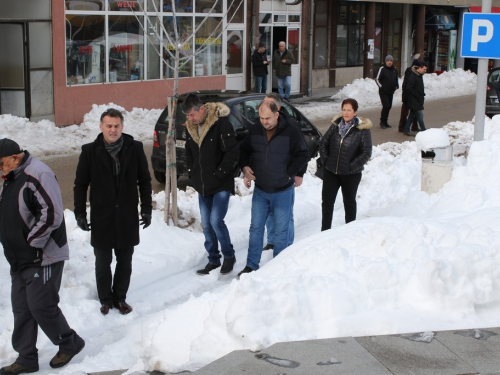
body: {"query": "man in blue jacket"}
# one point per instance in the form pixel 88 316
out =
pixel 272 154
pixel 33 236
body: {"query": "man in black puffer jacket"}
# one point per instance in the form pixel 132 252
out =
pixel 212 154
pixel 272 154
pixel 387 82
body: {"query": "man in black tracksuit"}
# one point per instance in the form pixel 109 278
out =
pixel 33 236
pixel 272 154
pixel 387 82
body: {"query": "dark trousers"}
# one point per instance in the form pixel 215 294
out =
pixel 386 100
pixel 402 118
pixel 35 300
pixel 331 184
pixel 113 289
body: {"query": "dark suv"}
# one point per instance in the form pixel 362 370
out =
pixel 492 105
pixel 244 112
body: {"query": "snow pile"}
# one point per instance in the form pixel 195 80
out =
pixel 446 85
pixel 432 138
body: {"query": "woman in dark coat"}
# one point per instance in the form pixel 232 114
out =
pixel 344 150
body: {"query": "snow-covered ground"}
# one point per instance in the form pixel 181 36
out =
pixel 411 262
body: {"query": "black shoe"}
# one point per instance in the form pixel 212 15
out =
pixel 105 308
pixel 205 271
pixel 227 266
pixel 409 134
pixel 387 125
pixel 62 359
pixel 245 270
pixel 16 368
pixel 383 126
pixel 123 307
pixel 269 246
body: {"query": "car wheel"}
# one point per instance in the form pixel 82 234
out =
pixel 160 177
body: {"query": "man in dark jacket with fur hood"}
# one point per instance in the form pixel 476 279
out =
pixel 114 165
pixel 212 154
pixel 387 82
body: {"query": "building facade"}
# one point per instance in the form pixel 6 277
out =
pixel 61 56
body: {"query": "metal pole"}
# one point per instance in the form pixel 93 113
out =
pixel 310 67
pixel 482 76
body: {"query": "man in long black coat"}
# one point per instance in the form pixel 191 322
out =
pixel 387 82
pixel 416 96
pixel 114 165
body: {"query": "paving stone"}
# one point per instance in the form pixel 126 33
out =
pixel 226 363
pixel 480 348
pixel 404 356
pixel 315 357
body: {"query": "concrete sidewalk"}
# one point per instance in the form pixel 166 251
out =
pixel 462 352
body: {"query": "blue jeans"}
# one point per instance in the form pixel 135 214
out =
pixel 261 84
pixel 419 114
pixel 278 204
pixel 291 227
pixel 213 209
pixel 287 83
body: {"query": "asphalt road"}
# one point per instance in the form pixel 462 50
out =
pixel 437 113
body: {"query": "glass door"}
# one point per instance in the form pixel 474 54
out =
pixel 235 57
pixel 13 98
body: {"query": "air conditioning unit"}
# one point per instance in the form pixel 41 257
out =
pixel 292 2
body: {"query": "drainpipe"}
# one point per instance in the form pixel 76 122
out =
pixel 311 24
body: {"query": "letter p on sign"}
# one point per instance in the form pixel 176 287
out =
pixel 482 32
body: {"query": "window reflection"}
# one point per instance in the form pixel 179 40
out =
pixel 180 6
pixel 126 49
pixel 185 31
pixel 126 6
pixel 85 51
pixel 208 44
pixel 90 5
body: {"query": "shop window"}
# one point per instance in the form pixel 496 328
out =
pixel 208 46
pixel 350 34
pixel 182 6
pixel 126 49
pixel 235 11
pixel 293 43
pixel 321 34
pixel 294 18
pixel 85 49
pixel 235 52
pixel 154 48
pixel 185 31
pixel 87 5
pixel 204 6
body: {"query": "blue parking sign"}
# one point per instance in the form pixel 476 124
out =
pixel 481 36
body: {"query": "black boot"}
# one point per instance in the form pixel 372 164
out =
pixel 227 266
pixel 209 267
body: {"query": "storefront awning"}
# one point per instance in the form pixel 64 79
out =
pixel 439 19
pixel 479 10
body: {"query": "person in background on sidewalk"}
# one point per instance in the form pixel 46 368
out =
pixel 498 89
pixel 416 97
pixel 212 154
pixel 344 150
pixel 272 154
pixel 404 106
pixel 282 67
pixel 276 99
pixel 114 165
pixel 33 236
pixel 260 68
pixel 387 82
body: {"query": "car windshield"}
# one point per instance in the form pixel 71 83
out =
pixel 180 117
pixel 494 77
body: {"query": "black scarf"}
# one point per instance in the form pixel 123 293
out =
pixel 114 149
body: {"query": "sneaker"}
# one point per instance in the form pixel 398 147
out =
pixel 409 134
pixel 227 266
pixel 269 246
pixel 16 368
pixel 209 267
pixel 123 307
pixel 245 270
pixel 62 359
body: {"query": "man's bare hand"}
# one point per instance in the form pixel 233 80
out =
pixel 283 61
pixel 249 176
pixel 298 181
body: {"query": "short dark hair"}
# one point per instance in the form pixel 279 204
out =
pixel 112 112
pixel 271 105
pixel 261 45
pixel 352 102
pixel 192 101
pixel 275 97
pixel 422 64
